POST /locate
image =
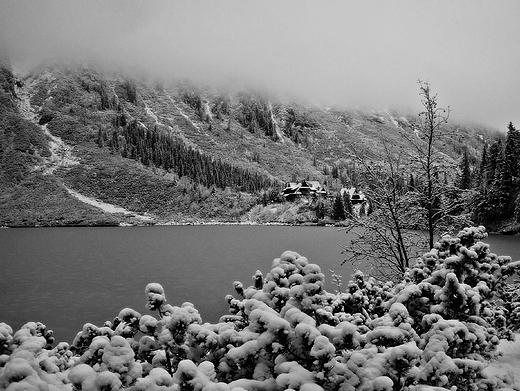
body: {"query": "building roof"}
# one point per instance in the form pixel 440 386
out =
pixel 308 186
pixel 353 193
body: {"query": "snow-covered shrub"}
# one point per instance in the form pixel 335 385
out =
pixel 435 330
pixel 118 357
pixel 31 366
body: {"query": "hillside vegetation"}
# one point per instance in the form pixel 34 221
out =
pixel 179 152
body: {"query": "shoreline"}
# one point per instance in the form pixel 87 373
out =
pixel 152 223
pixel 178 223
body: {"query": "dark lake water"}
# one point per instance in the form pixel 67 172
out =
pixel 66 277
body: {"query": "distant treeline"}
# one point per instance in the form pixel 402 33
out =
pixel 160 148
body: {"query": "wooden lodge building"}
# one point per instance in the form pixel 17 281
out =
pixel 304 189
pixel 356 197
pixel 313 189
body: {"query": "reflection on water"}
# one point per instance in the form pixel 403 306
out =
pixel 66 277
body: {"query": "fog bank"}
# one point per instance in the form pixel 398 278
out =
pixel 357 54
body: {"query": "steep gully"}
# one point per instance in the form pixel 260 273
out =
pixel 62 155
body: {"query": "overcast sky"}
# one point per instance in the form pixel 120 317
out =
pixel 358 54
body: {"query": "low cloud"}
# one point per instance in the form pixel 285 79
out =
pixel 351 54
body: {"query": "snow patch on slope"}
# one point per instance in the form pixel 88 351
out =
pixel 105 207
pixel 182 113
pixel 277 130
pixel 61 154
pixel 150 113
pixel 167 121
pixel 393 120
pixel 24 105
pixel 193 123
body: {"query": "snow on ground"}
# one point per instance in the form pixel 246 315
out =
pixel 150 113
pixel 109 208
pixel 508 364
pixel 392 119
pixel 61 155
pixel 183 114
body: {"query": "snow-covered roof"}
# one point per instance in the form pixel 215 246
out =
pixel 294 188
pixel 353 192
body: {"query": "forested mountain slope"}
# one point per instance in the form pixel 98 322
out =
pixel 178 152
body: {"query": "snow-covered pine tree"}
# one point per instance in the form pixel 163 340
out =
pixel 438 327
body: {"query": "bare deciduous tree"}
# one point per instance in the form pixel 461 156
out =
pixel 405 220
pixel 385 236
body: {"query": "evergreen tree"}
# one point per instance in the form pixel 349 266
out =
pixel 492 157
pixel 131 91
pixel 153 147
pixel 338 208
pixel 512 150
pixel 517 208
pixel 495 201
pixel 411 183
pixel 100 138
pixel 465 180
pixel 265 198
pixel 320 209
pixel 335 171
pixel 503 185
pixel 482 168
pixel 347 203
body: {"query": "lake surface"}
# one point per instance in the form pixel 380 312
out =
pixel 66 277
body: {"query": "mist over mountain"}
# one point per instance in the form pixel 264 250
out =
pixel 347 54
pixel 174 112
pixel 83 146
